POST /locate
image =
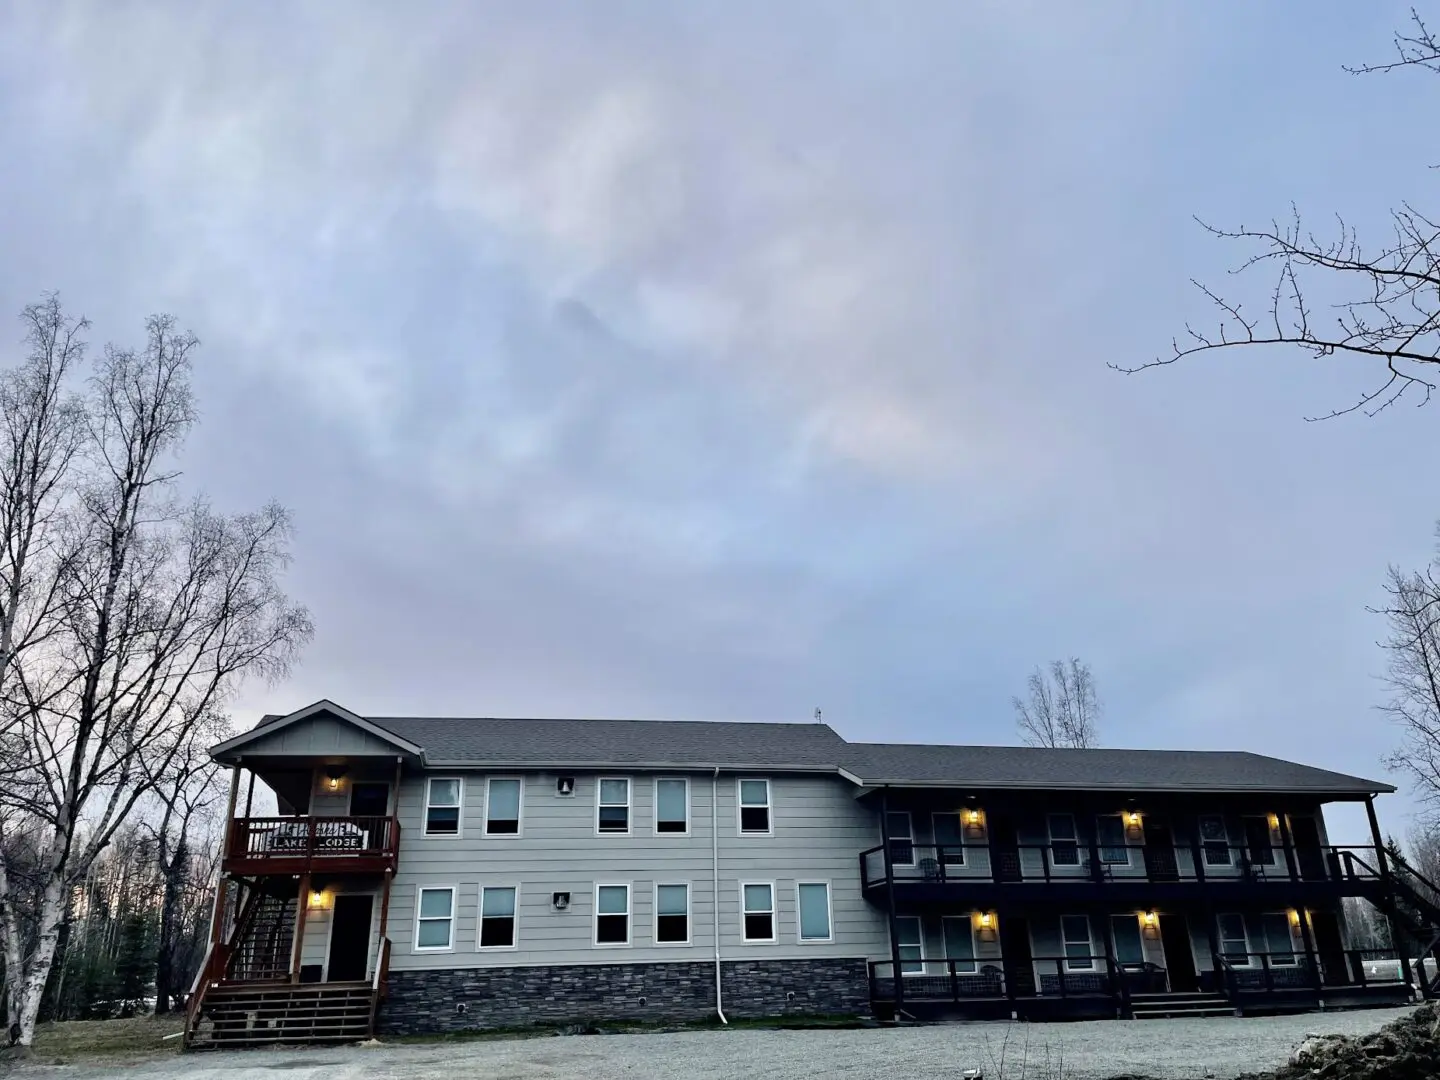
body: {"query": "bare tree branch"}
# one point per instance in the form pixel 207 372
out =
pixel 1387 311
pixel 1063 710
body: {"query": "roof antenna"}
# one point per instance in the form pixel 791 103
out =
pixel 817 714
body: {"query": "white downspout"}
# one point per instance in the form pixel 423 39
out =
pixel 715 896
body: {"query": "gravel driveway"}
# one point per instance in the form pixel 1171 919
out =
pixel 1168 1049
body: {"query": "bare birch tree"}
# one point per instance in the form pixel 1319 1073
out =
pixel 1063 709
pixel 1413 677
pixel 146 611
pixel 1386 315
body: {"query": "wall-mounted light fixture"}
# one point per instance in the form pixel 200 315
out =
pixel 560 900
pixel 1132 817
pixel 987 920
pixel 334 775
pixel 972 816
pixel 317 899
pixel 565 786
pixel 1150 924
pixel 1275 822
pixel 1294 917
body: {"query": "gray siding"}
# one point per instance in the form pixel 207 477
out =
pixel 818 831
pixel 320 735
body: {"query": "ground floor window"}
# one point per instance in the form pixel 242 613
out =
pixel 1278 939
pixel 758 912
pixel 1234 945
pixel 497 917
pixel 909 940
pixel 960 943
pixel 612 914
pixel 1079 950
pixel 672 914
pixel 1125 929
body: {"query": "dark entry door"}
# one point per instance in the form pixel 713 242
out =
pixel 1179 959
pixel 1016 955
pixel 1330 947
pixel 369 799
pixel 1160 862
pixel 350 938
pixel 1005 853
pixel 1308 854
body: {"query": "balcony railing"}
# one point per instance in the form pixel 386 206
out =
pixel 1068 861
pixel 297 844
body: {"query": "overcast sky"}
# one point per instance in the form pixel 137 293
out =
pixel 727 360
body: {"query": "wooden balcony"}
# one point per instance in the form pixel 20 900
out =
pixel 312 845
pixel 992 875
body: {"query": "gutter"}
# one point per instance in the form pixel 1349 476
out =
pixel 715 896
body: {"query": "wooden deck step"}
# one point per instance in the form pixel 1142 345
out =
pixel 1159 1006
pixel 238 1015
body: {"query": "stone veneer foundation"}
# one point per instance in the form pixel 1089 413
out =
pixel 428 1001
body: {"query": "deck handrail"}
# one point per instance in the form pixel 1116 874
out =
pixel 312 838
pixel 1070 861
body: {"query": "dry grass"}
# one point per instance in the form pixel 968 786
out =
pixel 118 1040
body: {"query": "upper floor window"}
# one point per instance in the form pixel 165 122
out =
pixel 1110 833
pixel 1215 840
pixel 949 838
pixel 612 806
pixel 502 806
pixel 1064 844
pixel 899 838
pixel 672 805
pixel 442 805
pixel 755 806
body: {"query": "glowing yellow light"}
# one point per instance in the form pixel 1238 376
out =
pixel 1149 918
pixel 986 920
pixel 1132 818
pixel 1274 821
pixel 1294 917
pixel 973 817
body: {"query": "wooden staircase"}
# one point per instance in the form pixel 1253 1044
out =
pixel 260 1014
pixel 247 991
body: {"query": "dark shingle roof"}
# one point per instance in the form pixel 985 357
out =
pixel 1136 770
pixel 617 742
pixel 582 744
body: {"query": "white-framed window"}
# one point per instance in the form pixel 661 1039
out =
pixel 959 934
pixel 754 807
pixel 499 911
pixel 909 942
pixel 949 838
pixel 1279 940
pixel 612 805
pixel 612 914
pixel 1261 840
pixel 1110 838
pixel 900 838
pixel 1064 841
pixel 1078 946
pixel 812 902
pixel 1214 840
pixel 757 912
pixel 504 805
pixel 443 798
pixel 1125 932
pixel 1234 942
pixel 672 914
pixel 435 918
pixel 672 805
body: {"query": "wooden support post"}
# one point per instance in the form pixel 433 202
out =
pixel 1289 843
pixel 250 793
pixel 304 903
pixel 1382 863
pixel 1309 941
pixel 897 980
pixel 217 913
